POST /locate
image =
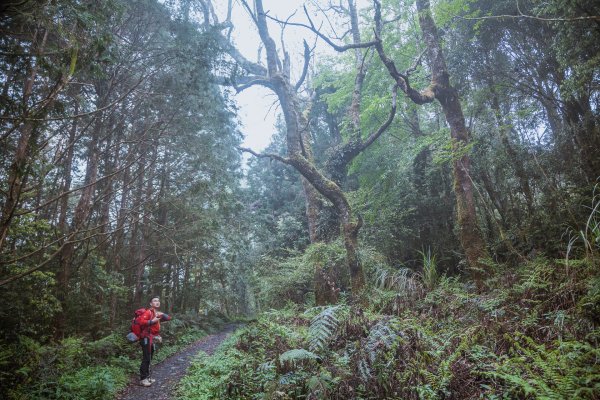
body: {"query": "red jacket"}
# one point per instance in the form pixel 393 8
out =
pixel 150 329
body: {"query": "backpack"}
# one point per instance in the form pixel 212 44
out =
pixel 136 329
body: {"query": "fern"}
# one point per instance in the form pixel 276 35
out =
pixel 296 356
pixel 364 370
pixel 402 280
pixel 325 325
pixel 569 371
pixel 381 338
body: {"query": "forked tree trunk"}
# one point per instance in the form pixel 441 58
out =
pixel 299 156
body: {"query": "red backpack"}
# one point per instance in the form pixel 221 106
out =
pixel 136 329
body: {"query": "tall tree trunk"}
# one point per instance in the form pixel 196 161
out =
pixel 80 217
pixel 145 208
pixel 67 176
pixel 185 287
pixel 17 175
pixel 138 244
pixel 586 134
pixel 299 156
pixel 469 233
pixel 440 89
pixel 119 237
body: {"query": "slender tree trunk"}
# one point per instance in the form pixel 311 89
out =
pixel 80 217
pixel 510 151
pixel 119 237
pixel 138 244
pixel 106 192
pixel 185 287
pixel 67 173
pixel 197 288
pixel 18 170
pixel 224 296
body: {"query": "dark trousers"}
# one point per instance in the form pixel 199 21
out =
pixel 147 353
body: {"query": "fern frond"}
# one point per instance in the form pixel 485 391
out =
pixel 364 370
pixel 381 336
pixel 295 356
pixel 325 325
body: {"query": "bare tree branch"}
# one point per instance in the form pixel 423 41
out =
pixel 252 81
pixel 312 28
pixel 307 53
pixel 266 155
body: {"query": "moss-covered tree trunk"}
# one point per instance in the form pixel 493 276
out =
pixel 470 235
pixel 441 90
pixel 277 78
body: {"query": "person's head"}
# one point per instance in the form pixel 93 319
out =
pixel 155 302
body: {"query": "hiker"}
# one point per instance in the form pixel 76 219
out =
pixel 150 324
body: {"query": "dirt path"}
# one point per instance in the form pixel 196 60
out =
pixel 171 370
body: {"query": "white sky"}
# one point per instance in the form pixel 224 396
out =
pixel 257 111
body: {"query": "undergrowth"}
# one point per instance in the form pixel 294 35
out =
pixel 77 368
pixel 533 334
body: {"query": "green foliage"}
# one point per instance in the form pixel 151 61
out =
pixel 430 273
pixel 558 371
pixel 92 383
pixel 450 341
pixel 326 325
pixel 291 359
pixel 77 368
pixel 208 377
pixel 241 366
pixel 589 236
pixel 401 280
pixel 280 281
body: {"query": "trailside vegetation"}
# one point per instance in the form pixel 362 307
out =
pixel 532 334
pixel 425 223
pixel 478 204
pixel 119 180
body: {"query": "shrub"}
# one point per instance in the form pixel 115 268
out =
pixel 98 382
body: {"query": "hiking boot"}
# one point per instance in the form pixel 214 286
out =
pixel 145 382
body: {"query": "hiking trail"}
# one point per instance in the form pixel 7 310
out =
pixel 169 372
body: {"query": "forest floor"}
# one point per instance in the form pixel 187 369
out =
pixel 171 370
